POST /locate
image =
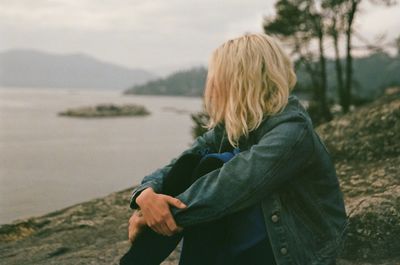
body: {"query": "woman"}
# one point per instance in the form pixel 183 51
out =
pixel 283 169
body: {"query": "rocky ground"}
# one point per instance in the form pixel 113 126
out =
pixel 93 232
pixel 364 144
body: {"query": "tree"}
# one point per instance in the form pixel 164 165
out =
pixel 342 14
pixel 298 23
pixel 336 26
pixel 352 9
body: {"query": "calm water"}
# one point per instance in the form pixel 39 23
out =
pixel 49 162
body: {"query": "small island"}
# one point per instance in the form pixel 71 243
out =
pixel 106 110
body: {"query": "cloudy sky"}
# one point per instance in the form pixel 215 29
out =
pixel 157 35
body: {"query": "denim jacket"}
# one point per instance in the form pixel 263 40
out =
pixel 285 165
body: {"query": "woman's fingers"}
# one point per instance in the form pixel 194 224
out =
pixel 172 226
pixel 175 202
pixel 135 225
pixel 165 229
pixel 157 214
pixel 161 228
pixel 170 221
pixel 166 222
pixel 155 219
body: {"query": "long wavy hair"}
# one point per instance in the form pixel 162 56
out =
pixel 248 78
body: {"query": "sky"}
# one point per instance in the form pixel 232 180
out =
pixel 161 36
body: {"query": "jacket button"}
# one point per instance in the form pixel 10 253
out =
pixel 275 218
pixel 283 251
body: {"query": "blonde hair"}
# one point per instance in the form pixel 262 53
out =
pixel 248 77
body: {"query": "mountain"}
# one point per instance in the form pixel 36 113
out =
pixel 371 75
pixel 31 68
pixel 183 83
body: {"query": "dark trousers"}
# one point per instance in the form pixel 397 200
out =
pixel 203 244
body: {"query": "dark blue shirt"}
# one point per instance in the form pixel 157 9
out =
pixel 246 227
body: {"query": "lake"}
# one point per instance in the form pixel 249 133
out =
pixel 48 162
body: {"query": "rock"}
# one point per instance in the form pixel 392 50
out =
pixel 93 232
pixel 365 145
pixel 106 110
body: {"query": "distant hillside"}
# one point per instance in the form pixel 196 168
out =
pixel 29 68
pixel 372 74
pixel 184 83
pixel 376 71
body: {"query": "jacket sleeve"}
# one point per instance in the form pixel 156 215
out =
pixel 202 145
pixel 249 176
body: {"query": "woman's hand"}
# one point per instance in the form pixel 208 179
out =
pixel 136 223
pixel 156 212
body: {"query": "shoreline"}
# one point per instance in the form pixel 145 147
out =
pixel 23 219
